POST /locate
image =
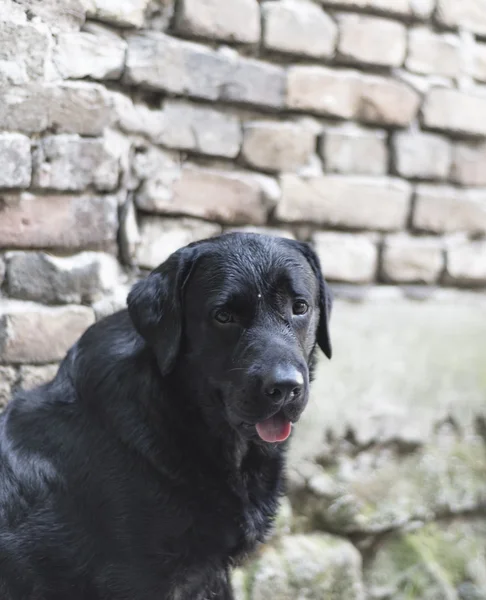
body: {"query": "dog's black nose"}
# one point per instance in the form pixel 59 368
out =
pixel 284 382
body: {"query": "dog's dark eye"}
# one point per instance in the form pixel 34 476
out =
pixel 223 316
pixel 300 307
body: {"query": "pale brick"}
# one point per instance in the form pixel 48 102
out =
pixel 277 146
pixel 422 9
pixel 273 231
pixel 400 7
pixel 113 302
pixel 432 54
pixel 77 107
pixel 479 62
pixel 323 91
pixel 387 101
pixel 126 13
pixel 441 209
pixel 354 202
pixel 371 40
pixel 25 50
pixel 354 150
pixel 77 279
pixel 7 379
pixel 199 129
pixel 72 163
pixel 235 21
pixel 31 376
pixel 298 27
pixel 60 15
pixel 419 155
pixel 468 164
pixel 412 259
pixel 346 257
pixel 455 111
pixel 2 270
pixel 226 196
pixel 466 263
pixel 161 237
pixel 465 14
pixel 156 61
pixel 96 52
pixel 32 333
pixel 15 161
pixel 129 233
pixel 29 221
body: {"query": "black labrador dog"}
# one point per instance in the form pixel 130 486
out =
pixel 154 460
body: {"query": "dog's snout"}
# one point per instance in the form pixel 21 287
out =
pixel 283 383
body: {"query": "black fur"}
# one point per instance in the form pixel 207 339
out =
pixel 137 473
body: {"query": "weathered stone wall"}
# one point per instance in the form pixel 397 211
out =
pixel 129 128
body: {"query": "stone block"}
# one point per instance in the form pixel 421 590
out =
pixel 347 257
pixel 277 146
pixel 200 129
pixel 466 14
pixel 466 263
pixel 72 163
pixel 96 52
pixel 399 7
pixel 60 15
pixel 419 155
pixel 235 21
pixel 29 221
pixel 79 279
pixel 129 13
pixel 298 27
pixel 32 376
pixel 469 159
pixel 273 231
pixel 430 53
pixel 339 201
pixel 25 52
pixel 354 150
pixel 478 69
pixel 8 377
pixel 408 259
pixel 15 161
pixel 441 209
pixel 455 111
pixel 3 269
pixel 161 237
pixel 323 91
pixel 36 334
pixel 371 40
pixel 113 302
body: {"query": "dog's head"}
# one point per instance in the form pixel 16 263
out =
pixel 242 312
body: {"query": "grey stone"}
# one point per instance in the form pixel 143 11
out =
pixel 274 231
pixel 238 21
pixel 15 160
pixel 468 163
pixel 50 279
pixel 467 14
pixel 298 27
pixel 31 376
pixel 466 263
pixel 129 13
pixel 347 257
pixel 413 259
pixel 399 7
pixel 432 54
pixel 129 234
pixel 7 379
pixel 2 269
pixel 112 302
pixel 35 334
pixel 455 111
pixel 478 69
pixel 60 15
pixel 419 155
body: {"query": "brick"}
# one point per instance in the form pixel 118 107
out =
pixel 298 27
pixel 129 233
pixel 32 376
pixel 455 111
pixel 419 155
pixel 277 146
pixel 156 61
pixel 72 163
pixel 25 50
pixel 73 107
pixel 323 91
pixel 466 14
pixel 339 201
pixel 200 129
pixel 60 15
pixel 15 161
pixel 226 196
pixel 466 263
pixel 371 40
pixel 422 9
pixel 161 237
pixel 77 279
pixel 2 270
pixel 347 257
pixel 400 7
pixel 412 259
pixel 7 379
pixel 273 231
pixel 29 221
pixel 32 333
pixel 432 54
pixel 441 209
pixel 469 159
pixel 158 170
pixel 235 21
pixel 113 302
pixel 479 62
pixel 386 101
pixel 96 52
pixel 354 150
pixel 129 13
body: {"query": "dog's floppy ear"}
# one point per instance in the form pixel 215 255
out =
pixel 325 299
pixel 155 306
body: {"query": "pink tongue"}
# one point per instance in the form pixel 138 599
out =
pixel 275 429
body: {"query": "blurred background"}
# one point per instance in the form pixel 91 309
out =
pixel 129 128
